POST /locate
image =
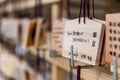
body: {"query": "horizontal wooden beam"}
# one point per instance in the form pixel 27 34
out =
pixel 24 4
pixel 99 73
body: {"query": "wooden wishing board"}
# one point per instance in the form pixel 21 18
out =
pixel 112 37
pixel 9 28
pixel 57 36
pixel 40 35
pixel 86 39
pixel 31 31
pixel 34 31
pixel 27 27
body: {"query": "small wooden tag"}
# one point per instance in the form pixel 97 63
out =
pixel 112 37
pixel 57 36
pixel 9 28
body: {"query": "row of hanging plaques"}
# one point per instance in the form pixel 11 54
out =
pixel 87 39
pixel 32 31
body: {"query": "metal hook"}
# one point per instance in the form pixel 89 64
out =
pixel 49 50
pixel 72 61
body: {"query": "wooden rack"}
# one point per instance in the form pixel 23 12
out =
pixel 60 66
pixel 23 4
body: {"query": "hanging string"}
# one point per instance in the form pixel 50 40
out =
pixel 86 5
pixel 19 38
pixel 38 61
pixel 93 8
pixel 68 9
pixel 19 35
pixel 78 72
pixel 80 10
pixel 44 64
pixel 88 8
pixel 38 12
pixel 14 3
pixel 38 9
pixel 84 10
pixel 60 10
pixel 20 29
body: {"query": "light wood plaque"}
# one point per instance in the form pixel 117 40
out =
pixel 57 36
pixel 31 31
pixel 9 28
pixel 86 39
pixel 112 37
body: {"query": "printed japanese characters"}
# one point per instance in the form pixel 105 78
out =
pixel 112 37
